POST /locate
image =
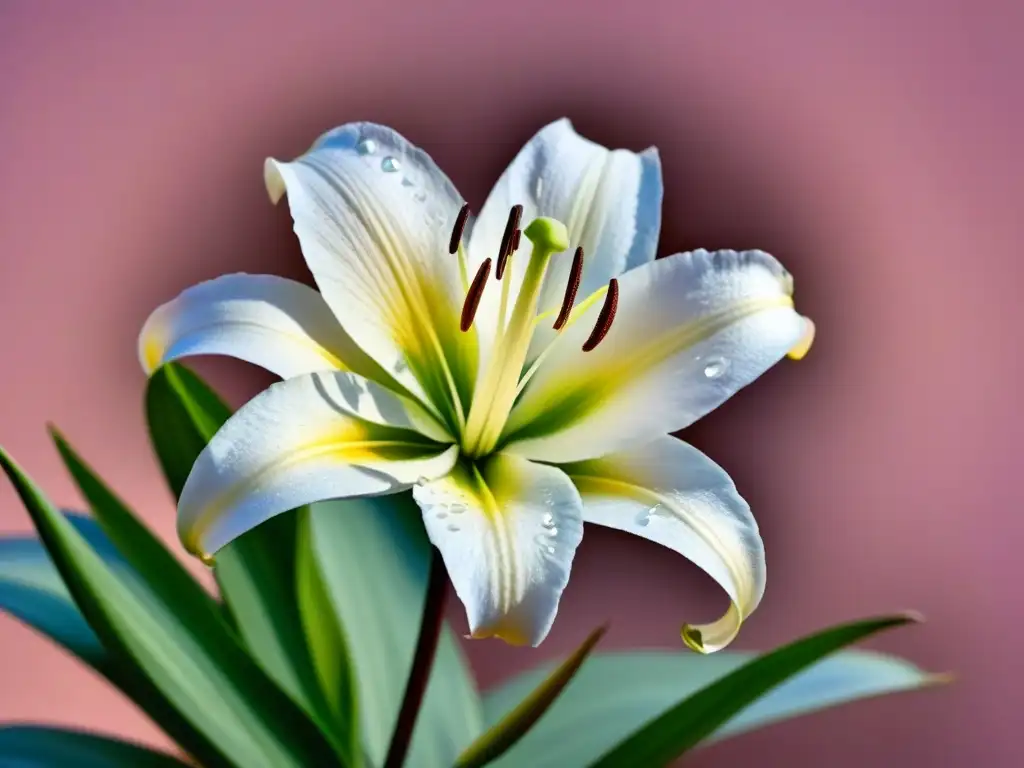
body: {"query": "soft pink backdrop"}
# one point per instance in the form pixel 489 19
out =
pixel 873 146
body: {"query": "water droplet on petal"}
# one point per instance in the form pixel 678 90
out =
pixel 453 528
pixel 420 196
pixel 457 509
pixel 716 367
pixel 643 518
pixel 366 147
pixel 552 531
pixel 390 164
pixel 538 187
pixel 551 550
pixel 548 521
pixel 407 182
pixel 442 515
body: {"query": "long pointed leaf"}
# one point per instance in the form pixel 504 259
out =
pixel 160 569
pixel 32 591
pixel 216 701
pixel 374 556
pixel 615 693
pixel 37 746
pixel 501 736
pixel 257 572
pixel 325 636
pixel 683 726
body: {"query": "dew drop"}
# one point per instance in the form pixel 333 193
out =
pixel 457 509
pixel 716 367
pixel 366 147
pixel 390 164
pixel 420 196
pixel 442 515
pixel 453 528
pixel 407 182
pixel 538 187
pixel 643 518
pixel 552 531
pixel 551 550
pixel 548 521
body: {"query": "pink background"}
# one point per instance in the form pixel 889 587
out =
pixel 873 146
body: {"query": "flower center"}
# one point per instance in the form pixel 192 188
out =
pixel 503 376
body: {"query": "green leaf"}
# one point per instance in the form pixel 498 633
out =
pixel 325 636
pixel 256 573
pixel 374 558
pixel 724 694
pixel 501 736
pixel 587 720
pixel 36 746
pixel 162 572
pixel 204 690
pixel 32 591
pixel 183 414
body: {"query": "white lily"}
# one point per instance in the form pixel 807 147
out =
pixel 411 369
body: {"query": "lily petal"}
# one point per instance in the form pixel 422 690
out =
pixel 275 323
pixel 508 530
pixel 310 438
pixel 374 215
pixel 610 201
pixel 674 495
pixel 690 331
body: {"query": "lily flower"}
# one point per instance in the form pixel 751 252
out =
pixel 520 386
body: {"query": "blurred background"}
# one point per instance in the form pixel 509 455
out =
pixel 874 147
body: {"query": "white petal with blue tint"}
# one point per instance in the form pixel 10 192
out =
pixel 373 215
pixel 689 332
pixel 609 200
pixel 674 495
pixel 275 323
pixel 310 438
pixel 508 531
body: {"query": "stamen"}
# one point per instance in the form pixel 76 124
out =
pixel 604 319
pixel 510 229
pixel 575 274
pixel 460 225
pixel 504 257
pixel 473 296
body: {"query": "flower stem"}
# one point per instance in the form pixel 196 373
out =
pixel 422 662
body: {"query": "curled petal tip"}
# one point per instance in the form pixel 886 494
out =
pixel 803 346
pixel 693 639
pixel 273 181
pixel 914 617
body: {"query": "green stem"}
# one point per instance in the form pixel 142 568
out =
pixel 422 662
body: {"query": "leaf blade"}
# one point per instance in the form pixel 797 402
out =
pixel 207 694
pixel 374 556
pixel 504 734
pixel 256 573
pixel 586 722
pixel 46 747
pixel 683 726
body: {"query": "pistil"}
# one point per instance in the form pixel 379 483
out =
pixel 496 391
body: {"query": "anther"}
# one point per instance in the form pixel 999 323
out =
pixel 473 296
pixel 503 257
pixel 604 320
pixel 511 226
pixel 460 225
pixel 575 274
